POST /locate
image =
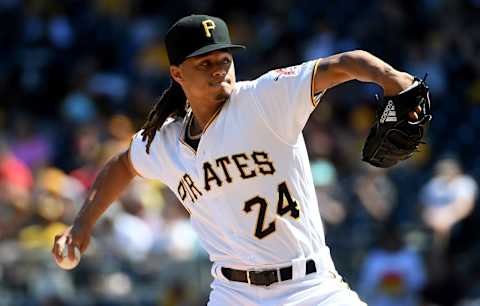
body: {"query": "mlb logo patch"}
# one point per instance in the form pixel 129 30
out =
pixel 287 71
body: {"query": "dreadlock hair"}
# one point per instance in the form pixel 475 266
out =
pixel 172 103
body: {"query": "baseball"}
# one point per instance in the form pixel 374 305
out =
pixel 66 263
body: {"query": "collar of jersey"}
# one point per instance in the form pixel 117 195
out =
pixel 187 119
pixel 188 128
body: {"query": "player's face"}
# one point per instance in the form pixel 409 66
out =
pixel 207 78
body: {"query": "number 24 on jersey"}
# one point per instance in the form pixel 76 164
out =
pixel 286 204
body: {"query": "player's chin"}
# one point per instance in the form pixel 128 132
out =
pixel 222 97
pixel 223 93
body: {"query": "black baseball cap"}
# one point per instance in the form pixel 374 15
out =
pixel 195 35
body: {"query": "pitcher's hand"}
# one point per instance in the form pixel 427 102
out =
pixel 72 237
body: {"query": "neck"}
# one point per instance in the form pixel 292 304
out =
pixel 202 114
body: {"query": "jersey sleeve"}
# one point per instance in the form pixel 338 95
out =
pixel 285 99
pixel 145 165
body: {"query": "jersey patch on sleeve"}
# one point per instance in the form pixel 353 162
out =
pixel 287 71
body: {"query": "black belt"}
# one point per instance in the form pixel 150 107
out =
pixel 266 277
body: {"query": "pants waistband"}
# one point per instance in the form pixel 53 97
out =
pixel 298 268
pixel 265 277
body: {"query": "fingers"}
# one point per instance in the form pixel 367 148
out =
pixel 59 248
pixel 56 252
pixel 63 247
pixel 413 115
pixel 70 248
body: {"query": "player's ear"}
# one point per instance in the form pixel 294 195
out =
pixel 176 74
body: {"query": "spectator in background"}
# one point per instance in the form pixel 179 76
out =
pixel 92 151
pixel 375 192
pixel 133 215
pixel 392 274
pixel 328 192
pixel 16 182
pixel 88 147
pixel 447 198
pixel 53 202
pixel 29 144
pixel 181 240
pixel 78 106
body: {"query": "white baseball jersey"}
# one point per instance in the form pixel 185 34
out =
pixel 248 186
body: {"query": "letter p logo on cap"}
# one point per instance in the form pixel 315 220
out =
pixel 208 25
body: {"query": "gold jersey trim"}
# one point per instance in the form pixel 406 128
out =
pixel 315 98
pixel 187 145
pixel 215 115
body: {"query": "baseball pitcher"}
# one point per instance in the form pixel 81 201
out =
pixel 234 154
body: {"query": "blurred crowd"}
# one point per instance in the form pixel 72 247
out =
pixel 77 79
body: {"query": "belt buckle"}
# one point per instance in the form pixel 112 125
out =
pixel 271 277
